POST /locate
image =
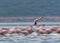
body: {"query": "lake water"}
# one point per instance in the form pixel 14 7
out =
pixel 31 39
pixel 29 8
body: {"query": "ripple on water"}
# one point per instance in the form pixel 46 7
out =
pixel 31 39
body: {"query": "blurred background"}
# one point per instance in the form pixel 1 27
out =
pixel 29 8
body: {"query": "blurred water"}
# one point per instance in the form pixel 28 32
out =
pixel 26 24
pixel 29 7
pixel 31 39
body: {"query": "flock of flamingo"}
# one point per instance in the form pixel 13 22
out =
pixel 29 30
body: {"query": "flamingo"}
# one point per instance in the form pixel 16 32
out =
pixel 36 20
